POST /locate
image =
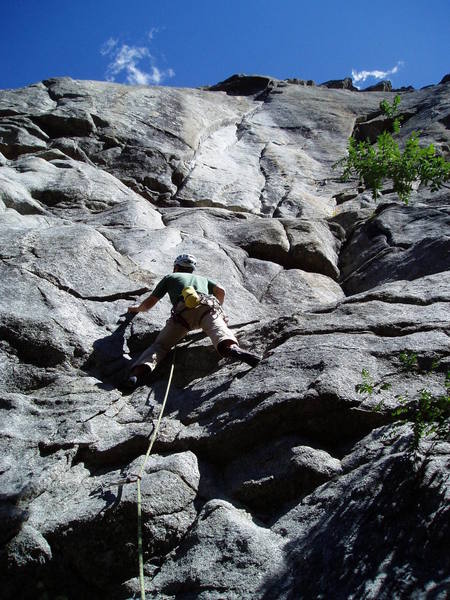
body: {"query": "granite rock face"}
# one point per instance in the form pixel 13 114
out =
pixel 281 481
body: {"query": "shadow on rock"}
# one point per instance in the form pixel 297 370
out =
pixel 113 355
pixel 385 547
pixel 110 360
pixel 111 500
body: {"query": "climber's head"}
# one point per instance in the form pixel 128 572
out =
pixel 184 263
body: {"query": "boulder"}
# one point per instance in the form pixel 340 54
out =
pixel 381 86
pixel 405 243
pixel 340 84
pixel 226 553
pixel 243 85
pixel 268 477
pixel 332 522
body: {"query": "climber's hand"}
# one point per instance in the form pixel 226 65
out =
pixel 134 309
pixel 144 306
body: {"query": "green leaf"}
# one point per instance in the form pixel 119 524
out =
pixel 373 165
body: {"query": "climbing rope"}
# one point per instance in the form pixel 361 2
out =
pixel 139 478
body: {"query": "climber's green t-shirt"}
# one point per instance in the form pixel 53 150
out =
pixel 174 284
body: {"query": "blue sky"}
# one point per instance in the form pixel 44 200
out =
pixel 198 42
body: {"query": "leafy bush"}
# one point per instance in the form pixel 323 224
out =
pixel 373 164
pixel 428 413
pixel 391 110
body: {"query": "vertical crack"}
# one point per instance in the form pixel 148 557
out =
pixel 276 211
pixel 265 209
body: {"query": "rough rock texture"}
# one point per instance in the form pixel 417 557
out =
pixel 340 84
pixel 280 481
pixel 381 86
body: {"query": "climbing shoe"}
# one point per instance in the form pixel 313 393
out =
pixel 242 355
pixel 137 377
pixel 131 382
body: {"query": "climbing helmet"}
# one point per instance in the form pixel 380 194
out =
pixel 185 260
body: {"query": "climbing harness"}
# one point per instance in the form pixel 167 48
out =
pixel 214 307
pixel 178 318
pixel 194 299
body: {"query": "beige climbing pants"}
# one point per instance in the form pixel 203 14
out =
pixel 201 317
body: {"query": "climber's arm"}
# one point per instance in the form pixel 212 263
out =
pixel 219 293
pixel 145 305
pixel 159 291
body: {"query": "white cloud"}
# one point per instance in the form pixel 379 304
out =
pixel 135 63
pixel 108 47
pixel 361 76
pixel 153 31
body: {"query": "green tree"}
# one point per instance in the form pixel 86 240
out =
pixel 375 164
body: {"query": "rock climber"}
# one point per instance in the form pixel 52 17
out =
pixel 197 304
